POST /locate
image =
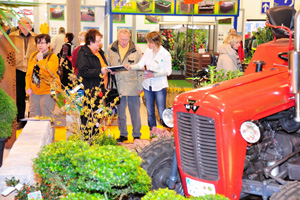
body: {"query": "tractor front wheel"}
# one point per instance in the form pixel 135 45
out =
pixel 289 191
pixel 157 161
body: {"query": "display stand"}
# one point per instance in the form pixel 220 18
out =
pixel 8 83
pixel 195 61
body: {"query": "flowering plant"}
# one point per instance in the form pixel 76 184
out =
pixel 157 133
pixel 92 105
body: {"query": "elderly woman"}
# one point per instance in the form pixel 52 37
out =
pixel 159 65
pixel 91 63
pixel 229 57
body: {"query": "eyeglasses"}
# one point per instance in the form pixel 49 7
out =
pixel 42 43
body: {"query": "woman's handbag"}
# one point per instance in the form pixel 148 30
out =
pixel 113 90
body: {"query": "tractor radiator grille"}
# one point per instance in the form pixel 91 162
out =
pixel 198 149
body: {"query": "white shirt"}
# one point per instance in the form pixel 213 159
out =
pixel 57 42
pixel 161 64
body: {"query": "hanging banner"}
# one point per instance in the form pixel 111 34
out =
pixel 175 7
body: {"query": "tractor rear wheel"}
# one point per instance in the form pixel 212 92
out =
pixel 289 191
pixel 157 161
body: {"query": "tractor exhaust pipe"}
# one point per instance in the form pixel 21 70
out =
pixel 294 66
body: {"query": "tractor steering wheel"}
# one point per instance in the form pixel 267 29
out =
pixel 283 56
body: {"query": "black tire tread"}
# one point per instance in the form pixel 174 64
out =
pixel 290 191
pixel 157 151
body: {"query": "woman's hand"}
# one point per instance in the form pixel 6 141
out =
pixel 148 74
pixel 127 66
pixel 104 70
pixel 39 56
pixel 29 92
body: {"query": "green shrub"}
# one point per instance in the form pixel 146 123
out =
pixel 83 196
pixel 103 139
pixel 77 167
pixel 166 194
pixel 210 197
pixel 163 194
pixel 8 108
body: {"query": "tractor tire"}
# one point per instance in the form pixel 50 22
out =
pixel 289 191
pixel 157 161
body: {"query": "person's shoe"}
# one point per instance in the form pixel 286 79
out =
pixel 136 138
pixel 122 139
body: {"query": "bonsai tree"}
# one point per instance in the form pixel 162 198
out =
pixel 8 112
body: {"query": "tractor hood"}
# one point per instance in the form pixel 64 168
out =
pixel 252 96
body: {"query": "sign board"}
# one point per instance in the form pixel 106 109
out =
pixel 284 3
pixel 175 7
pixel 264 7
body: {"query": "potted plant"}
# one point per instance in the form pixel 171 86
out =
pixel 8 112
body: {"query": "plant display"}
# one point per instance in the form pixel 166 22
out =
pixel 174 41
pixel 98 114
pixel 197 39
pixel 83 196
pixel 112 171
pixel 166 194
pixel 8 109
pixel 215 76
pixel 263 35
pixel 157 133
pixel 48 191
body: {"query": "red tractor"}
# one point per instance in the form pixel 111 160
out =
pixel 239 137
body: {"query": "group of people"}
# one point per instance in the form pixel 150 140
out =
pixel 153 81
pixel 36 67
pixel 39 66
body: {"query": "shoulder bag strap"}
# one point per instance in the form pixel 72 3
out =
pixel 113 81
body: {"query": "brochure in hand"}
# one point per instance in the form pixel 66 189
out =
pixel 117 68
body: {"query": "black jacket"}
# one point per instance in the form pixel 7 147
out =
pixel 89 67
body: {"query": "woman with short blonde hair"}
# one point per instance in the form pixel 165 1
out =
pixel 229 57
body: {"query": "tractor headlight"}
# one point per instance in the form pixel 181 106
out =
pixel 250 131
pixel 167 117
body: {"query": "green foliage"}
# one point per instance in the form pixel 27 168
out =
pixel 220 76
pixel 166 194
pixel 47 191
pixel 11 182
pixel 210 197
pixel 77 167
pixel 83 196
pixel 103 139
pixel 249 57
pixel 174 40
pixel 197 38
pixel 263 35
pixel 163 194
pixel 98 139
pixel 8 109
pixel 2 67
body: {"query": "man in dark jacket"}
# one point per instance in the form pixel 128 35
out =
pixel 91 64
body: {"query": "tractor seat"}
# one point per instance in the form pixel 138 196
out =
pixel 281 15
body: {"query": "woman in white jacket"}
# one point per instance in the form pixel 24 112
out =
pixel 158 64
pixel 229 57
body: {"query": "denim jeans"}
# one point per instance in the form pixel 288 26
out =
pixel 134 111
pixel 160 98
